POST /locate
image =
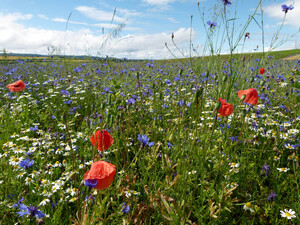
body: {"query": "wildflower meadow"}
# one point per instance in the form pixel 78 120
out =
pixel 200 140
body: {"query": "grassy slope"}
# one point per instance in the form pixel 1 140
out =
pixel 275 54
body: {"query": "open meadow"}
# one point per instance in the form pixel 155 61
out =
pixel 208 134
pixel 150 142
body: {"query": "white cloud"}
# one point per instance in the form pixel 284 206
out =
pixel 7 18
pixel 62 20
pixel 100 25
pixel 42 16
pixel 152 45
pixel 128 13
pixel 172 20
pixel 18 38
pixel 97 14
pixel 274 11
pixel 158 2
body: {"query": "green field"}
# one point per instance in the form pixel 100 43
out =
pixel 177 159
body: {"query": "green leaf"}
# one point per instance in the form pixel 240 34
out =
pixel 297 85
pixel 166 204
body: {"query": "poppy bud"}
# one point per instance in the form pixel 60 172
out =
pixel 244 112
pixel 138 75
pixel 243 97
pixel 251 79
pixel 218 106
pixel 261 82
pixel 40 222
pixel 71 176
pixel 161 96
pixel 171 138
pixel 199 93
pixel 180 71
pixel 111 120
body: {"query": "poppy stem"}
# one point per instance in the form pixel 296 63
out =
pixel 72 151
pixel 78 202
pixel 240 134
pixel 212 132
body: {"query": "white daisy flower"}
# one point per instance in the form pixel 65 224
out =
pixel 247 206
pixel 285 169
pixel 44 202
pixel 289 214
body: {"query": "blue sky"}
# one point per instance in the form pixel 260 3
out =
pixel 40 26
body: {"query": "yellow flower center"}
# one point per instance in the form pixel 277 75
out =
pixel 248 204
pixel 287 214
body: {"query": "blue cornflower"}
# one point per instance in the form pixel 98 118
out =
pixel 286 8
pixel 62 136
pixel 91 183
pixel 211 23
pixel 91 197
pixel 174 174
pixel 145 140
pixel 233 138
pixel 31 211
pixel 20 205
pixel 271 196
pixel 35 128
pixel 125 208
pixel 168 82
pixel 26 163
pixel 107 90
pixel 226 2
pixel 68 102
pixel 131 101
pixel 265 169
pixel 181 103
pixel 64 92
pixel 53 117
pixel 170 145
pixel 77 69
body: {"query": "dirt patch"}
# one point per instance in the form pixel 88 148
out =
pixel 292 57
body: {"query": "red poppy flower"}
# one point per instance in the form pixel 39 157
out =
pixel 226 108
pixel 17 86
pixel 251 95
pixel 262 71
pixel 101 173
pixel 102 140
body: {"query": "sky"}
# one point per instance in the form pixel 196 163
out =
pixel 142 29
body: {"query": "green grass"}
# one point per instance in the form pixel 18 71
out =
pixel 202 168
